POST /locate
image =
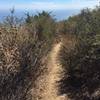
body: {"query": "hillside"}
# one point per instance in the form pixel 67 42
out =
pixel 45 59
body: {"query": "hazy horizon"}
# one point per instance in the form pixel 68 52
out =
pixel 61 9
pixel 57 14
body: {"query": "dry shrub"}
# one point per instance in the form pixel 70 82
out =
pixel 20 63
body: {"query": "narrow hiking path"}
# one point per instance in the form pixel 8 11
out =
pixel 54 74
pixel 47 84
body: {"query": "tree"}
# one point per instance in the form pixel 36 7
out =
pixel 43 25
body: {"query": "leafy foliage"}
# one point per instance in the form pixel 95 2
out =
pixel 43 25
pixel 82 61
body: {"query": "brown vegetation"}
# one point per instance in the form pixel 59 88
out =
pixel 25 45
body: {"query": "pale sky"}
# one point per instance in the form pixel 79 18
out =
pixel 47 4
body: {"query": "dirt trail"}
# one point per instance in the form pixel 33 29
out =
pixel 54 75
pixel 48 83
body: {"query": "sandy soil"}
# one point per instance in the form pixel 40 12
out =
pixel 47 86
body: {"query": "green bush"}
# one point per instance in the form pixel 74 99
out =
pixel 81 61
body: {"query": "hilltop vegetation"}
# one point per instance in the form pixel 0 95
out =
pixel 22 47
pixel 81 60
pixel 25 43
